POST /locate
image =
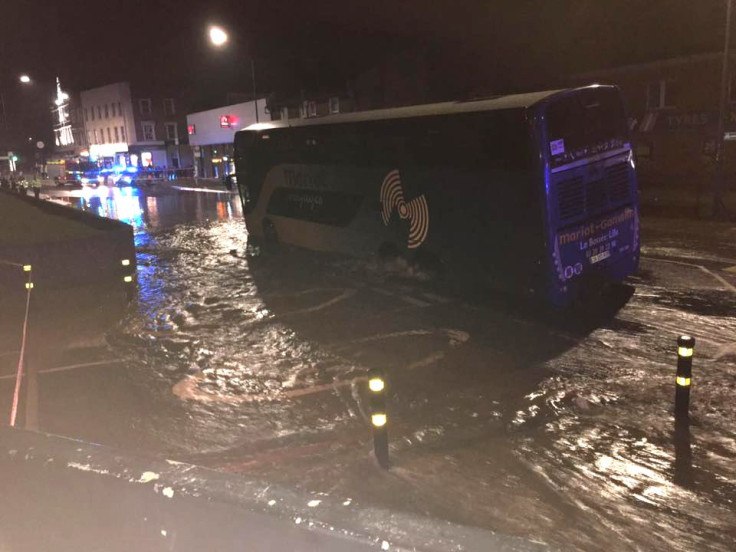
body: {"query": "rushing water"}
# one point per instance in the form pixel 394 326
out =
pixel 255 362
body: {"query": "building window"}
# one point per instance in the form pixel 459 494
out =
pixel 109 136
pixel 308 109
pixel 117 135
pixel 96 141
pixel 92 113
pixel 112 108
pixel 169 108
pixel 149 130
pixel 99 112
pixel 122 133
pixel 144 104
pixel 107 113
pixel 172 132
pixel 656 94
pixel 120 109
pixel 89 137
pixel 86 115
pixel 334 104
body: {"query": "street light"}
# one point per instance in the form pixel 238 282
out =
pixel 24 79
pixel 719 207
pixel 218 38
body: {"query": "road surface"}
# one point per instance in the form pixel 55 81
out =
pixel 553 426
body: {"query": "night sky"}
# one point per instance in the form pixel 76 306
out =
pixel 508 45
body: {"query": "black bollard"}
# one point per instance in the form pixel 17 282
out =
pixel 685 346
pixel 379 418
pixel 128 278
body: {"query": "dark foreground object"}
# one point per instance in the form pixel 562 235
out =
pixel 60 494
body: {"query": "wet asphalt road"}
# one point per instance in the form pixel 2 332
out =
pixel 553 426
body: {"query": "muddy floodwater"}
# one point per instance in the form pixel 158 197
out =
pixel 551 426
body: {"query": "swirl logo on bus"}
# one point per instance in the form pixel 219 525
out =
pixel 415 211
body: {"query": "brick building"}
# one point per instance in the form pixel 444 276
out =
pixel 673 107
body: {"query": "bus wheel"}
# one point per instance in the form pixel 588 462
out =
pixel 387 252
pixel 426 262
pixel 270 235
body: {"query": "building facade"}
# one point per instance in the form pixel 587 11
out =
pixel 211 135
pixel 140 129
pixel 673 108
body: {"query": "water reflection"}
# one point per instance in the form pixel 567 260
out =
pixel 154 208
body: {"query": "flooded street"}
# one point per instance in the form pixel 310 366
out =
pixel 529 423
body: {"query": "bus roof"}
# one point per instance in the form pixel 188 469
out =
pixel 514 101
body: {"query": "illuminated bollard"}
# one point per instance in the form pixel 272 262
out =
pixel 685 346
pixel 128 278
pixel 27 268
pixel 379 418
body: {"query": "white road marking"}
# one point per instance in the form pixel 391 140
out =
pixel 725 283
pixel 208 190
pixel 720 279
pixel 188 389
pixel 346 294
pixel 405 298
pixel 454 335
pixel 69 367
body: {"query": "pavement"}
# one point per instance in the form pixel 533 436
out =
pixel 554 427
pixel 678 202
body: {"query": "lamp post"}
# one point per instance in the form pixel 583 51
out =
pixel 25 80
pixel 719 208
pixel 219 38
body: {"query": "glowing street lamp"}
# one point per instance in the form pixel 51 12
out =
pixel 218 36
pixel 25 79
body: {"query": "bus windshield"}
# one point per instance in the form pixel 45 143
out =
pixel 584 124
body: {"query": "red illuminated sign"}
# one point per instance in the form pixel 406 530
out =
pixel 191 129
pixel 225 121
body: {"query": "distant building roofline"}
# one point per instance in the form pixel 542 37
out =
pixel 656 64
pixel 510 101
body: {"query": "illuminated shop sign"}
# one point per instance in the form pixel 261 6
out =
pixel 191 129
pixel 225 121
